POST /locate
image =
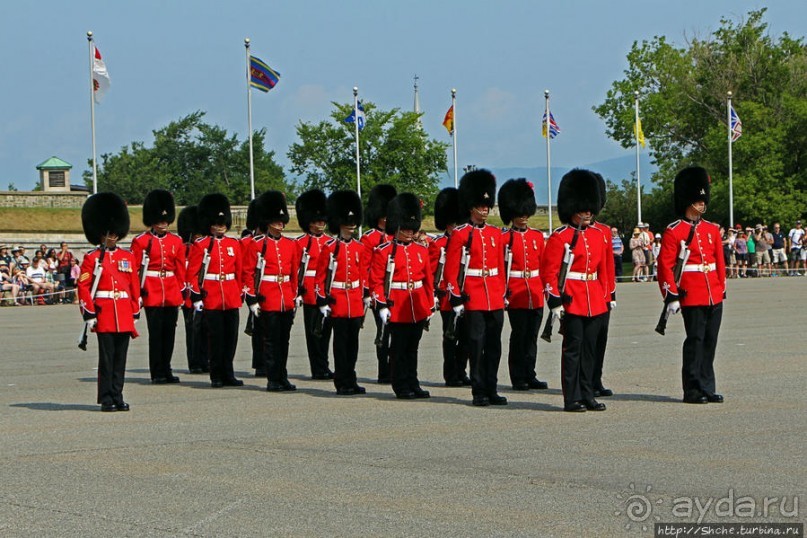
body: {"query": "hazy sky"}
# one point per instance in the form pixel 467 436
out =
pixel 169 58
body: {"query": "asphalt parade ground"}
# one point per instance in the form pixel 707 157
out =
pixel 188 460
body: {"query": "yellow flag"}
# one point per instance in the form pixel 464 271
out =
pixel 448 121
pixel 637 130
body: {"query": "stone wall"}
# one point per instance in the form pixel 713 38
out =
pixel 42 199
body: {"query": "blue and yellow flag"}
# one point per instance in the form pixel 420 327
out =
pixel 261 76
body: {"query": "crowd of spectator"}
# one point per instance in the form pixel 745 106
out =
pixel 750 252
pixel 48 277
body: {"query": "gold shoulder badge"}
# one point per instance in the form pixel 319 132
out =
pixel 83 277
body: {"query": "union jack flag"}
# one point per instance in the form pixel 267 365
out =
pixel 736 125
pixel 554 129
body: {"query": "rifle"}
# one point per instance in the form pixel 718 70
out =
pixel 203 272
pixel 438 279
pixel 144 265
pixel 678 270
pixel 260 264
pixel 450 332
pixel 508 263
pixel 330 273
pixel 96 275
pixel 568 259
pixel 388 273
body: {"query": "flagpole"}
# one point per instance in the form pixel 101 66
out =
pixel 731 182
pixel 356 127
pixel 548 160
pixel 636 134
pixel 454 132
pixel 249 126
pixel 92 114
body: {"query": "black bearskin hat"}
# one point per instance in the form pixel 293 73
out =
pixel 271 207
pixel 692 185
pixel 516 199
pixel 578 191
pixel 252 218
pixel 310 208
pixel 447 209
pixel 603 190
pixel 343 207
pixel 477 188
pixel 380 195
pixel 104 212
pixel 403 213
pixel 159 207
pixel 214 209
pixel 186 223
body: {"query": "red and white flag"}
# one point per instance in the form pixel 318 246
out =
pixel 100 76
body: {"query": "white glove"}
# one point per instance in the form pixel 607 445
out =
pixel 459 309
pixel 506 302
pixel 384 314
pixel 673 308
pixel 91 323
pixel 255 309
pixel 326 310
pixel 368 302
pixel 558 312
pixel 140 302
pixel 436 303
pixel 136 320
pixel 198 306
pixel 613 305
pixel 298 301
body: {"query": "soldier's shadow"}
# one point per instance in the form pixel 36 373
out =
pixel 53 406
pixel 642 398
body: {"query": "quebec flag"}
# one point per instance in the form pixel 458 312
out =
pixel 352 117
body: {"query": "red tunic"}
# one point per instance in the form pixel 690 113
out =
pixel 435 248
pixel 350 280
pixel 526 289
pixel 611 290
pixel 278 284
pixel 411 297
pixel 222 284
pixel 587 280
pixel 313 244
pixel 165 275
pixel 371 239
pixel 117 298
pixel 703 281
pixel 484 281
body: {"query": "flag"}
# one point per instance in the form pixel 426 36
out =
pixel 352 117
pixel 261 76
pixel 553 126
pixel 100 76
pixel 736 124
pixel 448 121
pixel 637 130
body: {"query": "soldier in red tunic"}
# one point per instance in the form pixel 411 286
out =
pixel 401 284
pixel 341 287
pixel 195 332
pixel 216 289
pixel 455 353
pixel 311 216
pixel 113 309
pixel 522 248
pixel 375 216
pixel 275 301
pixel 702 287
pixel 582 302
pixel 478 293
pixel 160 257
pixel 249 234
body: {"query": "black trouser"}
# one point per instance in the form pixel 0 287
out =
pixel 345 351
pixel 317 346
pixel 618 265
pixel 578 356
pixel 702 324
pixel 276 331
pixel 162 324
pixel 381 348
pixel 404 342
pixel 599 357
pixel 523 350
pixel 256 339
pixel 195 339
pixel 222 340
pixel 483 333
pixel 455 352
pixel 112 348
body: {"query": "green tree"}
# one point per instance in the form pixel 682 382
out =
pixel 190 158
pixel 393 149
pixel 683 111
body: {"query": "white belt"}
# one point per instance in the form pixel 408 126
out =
pixel 346 285
pixel 111 295
pixel 226 276
pixel 482 272
pixel 160 273
pixel 310 273
pixel 574 275
pixel 699 267
pixel 275 278
pixel 417 284
pixel 525 274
